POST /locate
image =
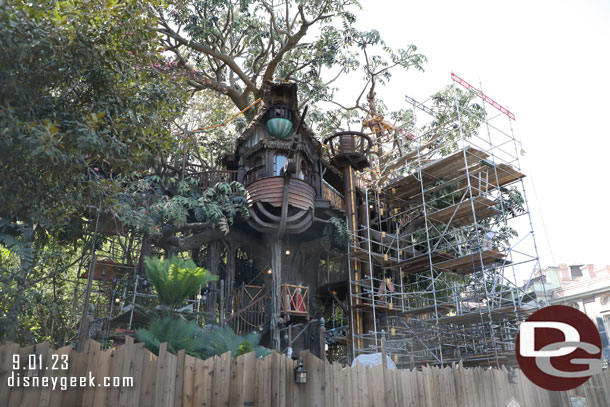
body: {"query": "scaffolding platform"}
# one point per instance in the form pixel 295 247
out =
pixel 421 263
pixel 461 214
pixel 446 168
pixel 471 263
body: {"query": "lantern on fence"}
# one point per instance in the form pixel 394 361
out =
pixel 512 377
pixel 300 373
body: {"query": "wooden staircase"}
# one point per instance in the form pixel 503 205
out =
pixel 252 317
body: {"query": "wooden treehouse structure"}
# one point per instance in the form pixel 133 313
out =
pixel 431 266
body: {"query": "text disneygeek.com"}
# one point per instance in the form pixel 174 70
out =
pixel 34 364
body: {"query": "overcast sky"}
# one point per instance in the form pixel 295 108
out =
pixel 549 63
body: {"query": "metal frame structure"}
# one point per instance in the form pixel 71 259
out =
pixel 441 262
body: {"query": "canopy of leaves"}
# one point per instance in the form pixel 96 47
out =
pixel 201 343
pixel 84 96
pixel 233 46
pixel 172 210
pixel 176 279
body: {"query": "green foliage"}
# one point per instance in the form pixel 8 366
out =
pixel 510 201
pixel 180 334
pixel 36 295
pixel 146 206
pixel 337 235
pixel 176 279
pixel 83 97
pixel 305 42
pixel 446 196
pixel 218 340
pixel 454 109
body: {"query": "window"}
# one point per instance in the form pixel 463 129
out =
pixel 575 272
pixel 258 162
pixel 605 300
pixel 279 160
pixel 574 305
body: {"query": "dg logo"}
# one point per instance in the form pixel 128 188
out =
pixel 558 348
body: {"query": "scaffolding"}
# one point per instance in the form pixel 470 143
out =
pixel 438 248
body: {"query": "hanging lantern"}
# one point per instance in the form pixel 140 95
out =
pixel 279 128
pixel 300 373
pixel 279 121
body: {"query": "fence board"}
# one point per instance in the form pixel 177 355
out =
pixel 236 381
pixel 179 378
pixel 73 396
pixel 6 367
pixel 149 380
pixel 103 370
pixel 136 371
pixel 15 394
pixel 117 358
pixel 93 355
pixel 222 371
pixel 188 383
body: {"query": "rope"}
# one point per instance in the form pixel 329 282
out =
pixel 228 121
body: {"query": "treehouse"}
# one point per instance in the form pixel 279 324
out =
pixel 277 159
pixel 292 192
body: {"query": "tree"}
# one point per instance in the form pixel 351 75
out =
pixel 85 100
pixel 232 47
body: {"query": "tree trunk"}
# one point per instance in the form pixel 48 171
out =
pixel 229 278
pixel 212 296
pixel 276 291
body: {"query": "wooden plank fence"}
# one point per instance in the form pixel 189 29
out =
pixel 181 380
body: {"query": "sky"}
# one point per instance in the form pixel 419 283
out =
pixel 548 62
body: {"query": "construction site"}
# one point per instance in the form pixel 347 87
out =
pixel 436 259
pixel 438 263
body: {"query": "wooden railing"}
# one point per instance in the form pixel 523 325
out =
pixel 333 196
pixel 261 171
pixel 245 294
pixel 252 317
pixel 295 299
pixel 210 178
pixel 255 173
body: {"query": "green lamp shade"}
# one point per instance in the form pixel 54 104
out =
pixel 279 127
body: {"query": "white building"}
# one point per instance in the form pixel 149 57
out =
pixel 584 287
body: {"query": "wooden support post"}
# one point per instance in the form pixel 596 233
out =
pixel 352 224
pixel 84 321
pixel 221 319
pixel 276 291
pixel 214 261
pixel 230 277
pixel 384 354
pixel 322 343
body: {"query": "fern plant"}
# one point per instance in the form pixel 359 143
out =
pixel 336 235
pixel 176 279
pixel 218 340
pixel 201 343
